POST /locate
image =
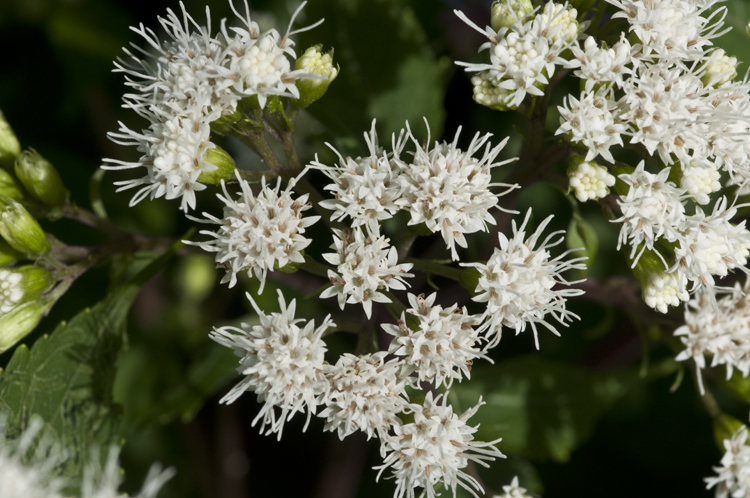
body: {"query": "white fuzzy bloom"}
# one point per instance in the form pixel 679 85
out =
pixel 710 245
pixel 282 361
pixel 672 29
pixel 663 289
pixel 258 233
pixel 448 189
pixel 434 448
pixel 598 65
pixel 11 290
pixel 733 475
pixel 590 122
pixel 442 346
pixel 523 55
pixel 366 189
pixel 700 179
pixel 513 491
pixel 27 463
pixel 590 181
pixel 518 280
pixel 651 209
pixel 366 264
pixel 717 329
pixel 366 393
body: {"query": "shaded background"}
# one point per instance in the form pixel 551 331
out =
pixel 576 418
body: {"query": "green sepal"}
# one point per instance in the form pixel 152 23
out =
pixel 40 178
pixel 21 230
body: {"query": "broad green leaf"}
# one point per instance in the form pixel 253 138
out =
pixel 541 409
pixel 66 378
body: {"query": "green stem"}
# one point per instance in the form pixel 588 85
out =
pixel 435 268
pixel 256 140
pixel 315 267
pixel 85 217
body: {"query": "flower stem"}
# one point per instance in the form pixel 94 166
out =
pixel 435 268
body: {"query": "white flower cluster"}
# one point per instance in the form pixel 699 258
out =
pixel 733 476
pixel 590 181
pixel 29 468
pixel 184 84
pixel 258 233
pixel 523 55
pixel 718 329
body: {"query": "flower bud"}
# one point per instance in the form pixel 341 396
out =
pixel 17 324
pixel 40 178
pixel 9 146
pixel 224 166
pixel 489 94
pixel 659 289
pixel 9 187
pixel 505 13
pixel 21 230
pixel 314 62
pixel 18 285
pixel 718 69
pixel 588 179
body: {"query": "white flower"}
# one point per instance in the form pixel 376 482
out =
pixel 434 448
pixel 719 329
pixel 259 233
pixel 589 122
pixel 663 289
pixel 513 491
pixel 442 347
pixel 448 189
pixel 366 189
pixel 590 181
pixel 366 394
pixel 700 179
pixel 719 68
pixel 599 65
pixel 733 479
pixel 11 290
pixel 517 283
pixel 102 482
pixel 366 264
pixel 282 361
pixel 651 209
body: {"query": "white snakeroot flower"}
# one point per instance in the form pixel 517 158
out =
pixel 523 55
pixel 590 122
pixel 11 290
pixel 366 393
pixel 366 189
pixel 663 289
pixel 282 361
pixel 651 209
pixel 366 264
pixel 717 329
pixel 448 189
pixel 434 448
pixel 710 245
pixel 733 475
pixel 597 65
pixel 700 179
pixel 518 280
pixel 258 233
pixel 590 181
pixel 513 491
pixel 442 347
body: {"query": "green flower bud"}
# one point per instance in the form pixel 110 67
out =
pixel 19 323
pixel 21 230
pixel 224 166
pixel 315 62
pixel 40 178
pixel 9 146
pixel 719 69
pixel 34 281
pixel 505 13
pixel 18 285
pixel 9 187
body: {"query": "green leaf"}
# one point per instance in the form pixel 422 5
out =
pixel 542 409
pixel 582 235
pixel 66 378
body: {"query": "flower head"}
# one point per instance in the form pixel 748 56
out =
pixel 434 448
pixel 259 233
pixel 282 361
pixel 733 475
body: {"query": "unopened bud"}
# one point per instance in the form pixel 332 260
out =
pixel 40 178
pixel 488 93
pixel 19 323
pixel 718 69
pixel 18 285
pixel 659 289
pixel 505 13
pixel 21 230
pixel 561 22
pixel 589 180
pixel 224 166
pixel 313 61
pixel 9 146
pixel 9 187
